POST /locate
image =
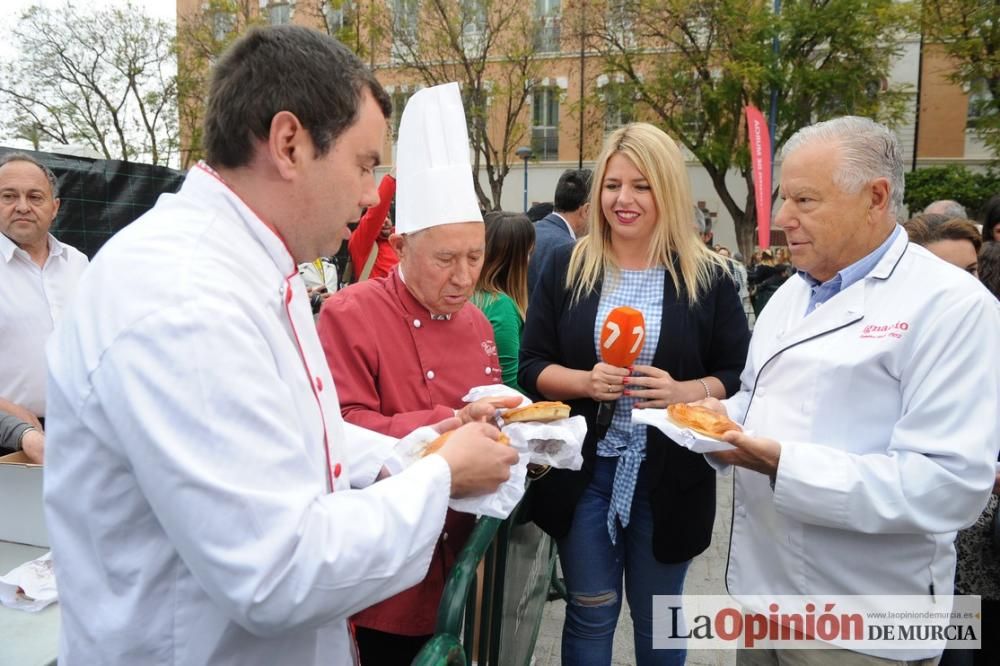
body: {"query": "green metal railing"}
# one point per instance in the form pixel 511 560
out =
pixel 518 560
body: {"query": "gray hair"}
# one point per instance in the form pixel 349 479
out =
pixel 947 207
pixel 25 157
pixel 870 150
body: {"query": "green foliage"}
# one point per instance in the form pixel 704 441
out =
pixel 969 32
pixel 695 65
pixel 351 22
pixel 202 36
pixel 488 47
pixel 969 188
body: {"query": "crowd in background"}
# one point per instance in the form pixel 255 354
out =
pixel 758 278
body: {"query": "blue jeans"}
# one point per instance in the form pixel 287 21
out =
pixel 594 568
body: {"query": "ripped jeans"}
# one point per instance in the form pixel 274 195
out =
pixel 594 568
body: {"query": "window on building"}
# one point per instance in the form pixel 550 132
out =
pixel 547 25
pixel 476 102
pixel 619 105
pixel 474 27
pixel 279 13
pixel 979 103
pixel 399 99
pixel 337 14
pixel 223 23
pixel 621 21
pixel 405 18
pixel 545 123
pixel 699 30
pixel 837 103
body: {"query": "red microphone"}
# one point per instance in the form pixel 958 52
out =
pixel 621 341
pixel 622 336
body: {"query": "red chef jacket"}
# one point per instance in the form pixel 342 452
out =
pixel 396 369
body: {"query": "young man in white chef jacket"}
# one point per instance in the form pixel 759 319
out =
pixel 874 426
pixel 199 477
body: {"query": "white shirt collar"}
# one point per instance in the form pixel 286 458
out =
pixel 202 180
pixel 566 222
pixel 9 247
pixel 435 317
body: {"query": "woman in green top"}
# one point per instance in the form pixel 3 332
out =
pixel 502 290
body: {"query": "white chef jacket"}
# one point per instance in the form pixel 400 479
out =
pixel 32 298
pixel 187 468
pixel 887 417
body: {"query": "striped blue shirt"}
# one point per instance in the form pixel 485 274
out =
pixel 821 292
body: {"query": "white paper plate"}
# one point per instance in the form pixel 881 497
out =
pixel 686 437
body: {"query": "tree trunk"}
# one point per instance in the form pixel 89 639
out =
pixel 746 224
pixel 746 238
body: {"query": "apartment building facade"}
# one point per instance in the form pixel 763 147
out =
pixel 570 101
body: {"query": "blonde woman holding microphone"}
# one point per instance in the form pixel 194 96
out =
pixel 642 506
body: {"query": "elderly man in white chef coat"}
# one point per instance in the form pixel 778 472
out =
pixel 199 475
pixel 875 427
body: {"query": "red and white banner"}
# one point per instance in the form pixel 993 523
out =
pixel 760 164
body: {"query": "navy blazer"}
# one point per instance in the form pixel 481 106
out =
pixel 550 233
pixel 708 338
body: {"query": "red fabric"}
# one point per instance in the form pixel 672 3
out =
pixel 379 358
pixel 760 162
pixel 367 232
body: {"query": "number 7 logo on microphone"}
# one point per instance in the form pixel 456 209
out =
pixel 622 336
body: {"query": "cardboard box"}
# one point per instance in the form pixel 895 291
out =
pixel 22 519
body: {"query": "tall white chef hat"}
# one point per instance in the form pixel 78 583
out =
pixel 433 173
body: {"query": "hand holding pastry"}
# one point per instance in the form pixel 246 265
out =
pixel 485 409
pixel 760 454
pixel 479 464
pixel 702 419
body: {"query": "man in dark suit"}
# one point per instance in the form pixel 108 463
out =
pixel 566 223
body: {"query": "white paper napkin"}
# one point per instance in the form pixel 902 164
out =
pixel 494 391
pixel 684 436
pixel 31 586
pixel 557 443
pixel 498 504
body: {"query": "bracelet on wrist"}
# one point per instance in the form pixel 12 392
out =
pixel 704 385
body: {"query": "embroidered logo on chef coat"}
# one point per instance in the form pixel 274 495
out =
pixel 490 349
pixel 877 331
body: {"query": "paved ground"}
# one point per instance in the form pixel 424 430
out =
pixel 704 577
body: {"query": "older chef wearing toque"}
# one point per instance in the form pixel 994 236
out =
pixel 405 348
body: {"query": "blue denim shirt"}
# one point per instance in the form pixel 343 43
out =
pixel 824 291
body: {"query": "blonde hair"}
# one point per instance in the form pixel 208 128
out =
pixel 674 239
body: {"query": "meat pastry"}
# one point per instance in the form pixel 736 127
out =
pixel 701 420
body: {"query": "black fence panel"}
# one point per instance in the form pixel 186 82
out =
pixel 100 197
